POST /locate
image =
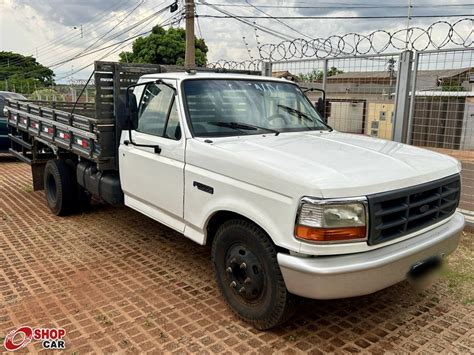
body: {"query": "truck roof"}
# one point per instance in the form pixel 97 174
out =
pixel 209 75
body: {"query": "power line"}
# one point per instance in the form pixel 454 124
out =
pixel 69 39
pixel 79 53
pixel 260 27
pixel 66 35
pixel 286 25
pixel 343 6
pixel 102 24
pixel 89 25
pixel 254 25
pixel 130 28
pixel 123 44
pixel 331 17
pixel 198 25
pixel 85 51
pixel 73 53
pixel 114 27
pixel 119 48
pixel 278 20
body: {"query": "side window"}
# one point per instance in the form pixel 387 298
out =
pixel 154 109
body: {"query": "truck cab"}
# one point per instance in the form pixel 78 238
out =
pixel 290 206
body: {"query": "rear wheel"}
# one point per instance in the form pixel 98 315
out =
pixel 248 275
pixel 60 187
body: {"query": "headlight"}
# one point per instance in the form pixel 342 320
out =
pixel 332 220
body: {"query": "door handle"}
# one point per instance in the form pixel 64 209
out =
pixel 156 147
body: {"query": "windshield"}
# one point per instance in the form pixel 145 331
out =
pixel 220 108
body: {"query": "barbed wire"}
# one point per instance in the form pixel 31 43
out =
pixel 80 82
pixel 438 35
pixel 254 64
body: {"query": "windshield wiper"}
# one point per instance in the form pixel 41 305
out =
pixel 244 126
pixel 301 114
pixel 296 112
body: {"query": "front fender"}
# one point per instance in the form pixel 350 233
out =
pixel 273 212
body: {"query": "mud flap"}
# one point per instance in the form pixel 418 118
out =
pixel 37 171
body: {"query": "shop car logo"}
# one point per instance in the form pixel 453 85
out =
pixel 52 339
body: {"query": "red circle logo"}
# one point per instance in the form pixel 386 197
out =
pixel 27 333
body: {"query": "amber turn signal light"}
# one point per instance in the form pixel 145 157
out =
pixel 330 234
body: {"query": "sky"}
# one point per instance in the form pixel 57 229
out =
pixel 51 30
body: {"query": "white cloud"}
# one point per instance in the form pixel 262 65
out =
pixel 45 26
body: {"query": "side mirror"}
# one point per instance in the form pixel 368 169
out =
pixel 133 110
pixel 320 106
pixel 127 111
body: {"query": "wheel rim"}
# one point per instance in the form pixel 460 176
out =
pixel 51 188
pixel 244 273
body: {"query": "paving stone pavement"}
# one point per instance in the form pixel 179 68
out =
pixel 119 282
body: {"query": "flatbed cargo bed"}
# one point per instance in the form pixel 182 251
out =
pixel 73 132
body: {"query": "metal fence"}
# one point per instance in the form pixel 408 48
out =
pixel 421 98
pixel 442 111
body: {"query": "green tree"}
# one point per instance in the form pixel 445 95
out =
pixel 23 74
pixel 317 74
pixel 46 94
pixel 164 47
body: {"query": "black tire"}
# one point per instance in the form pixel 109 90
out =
pixel 60 187
pixel 264 300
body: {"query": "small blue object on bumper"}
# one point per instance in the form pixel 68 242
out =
pixel 331 277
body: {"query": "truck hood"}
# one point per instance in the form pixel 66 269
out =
pixel 328 164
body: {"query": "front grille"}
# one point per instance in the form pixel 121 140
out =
pixel 397 213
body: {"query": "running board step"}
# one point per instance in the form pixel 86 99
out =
pixel 19 141
pixel 20 156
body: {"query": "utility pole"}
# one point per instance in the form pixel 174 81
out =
pixel 190 56
pixel 6 79
pixel 80 28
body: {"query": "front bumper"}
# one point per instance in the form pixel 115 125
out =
pixel 330 277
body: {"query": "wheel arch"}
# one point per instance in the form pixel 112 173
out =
pixel 217 218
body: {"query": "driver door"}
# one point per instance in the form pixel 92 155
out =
pixel 153 181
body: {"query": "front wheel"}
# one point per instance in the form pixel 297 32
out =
pixel 248 275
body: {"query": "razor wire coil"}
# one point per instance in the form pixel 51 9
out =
pixel 438 35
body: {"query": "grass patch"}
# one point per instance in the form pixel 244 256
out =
pixel 459 270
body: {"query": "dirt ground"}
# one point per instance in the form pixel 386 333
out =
pixel 118 281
